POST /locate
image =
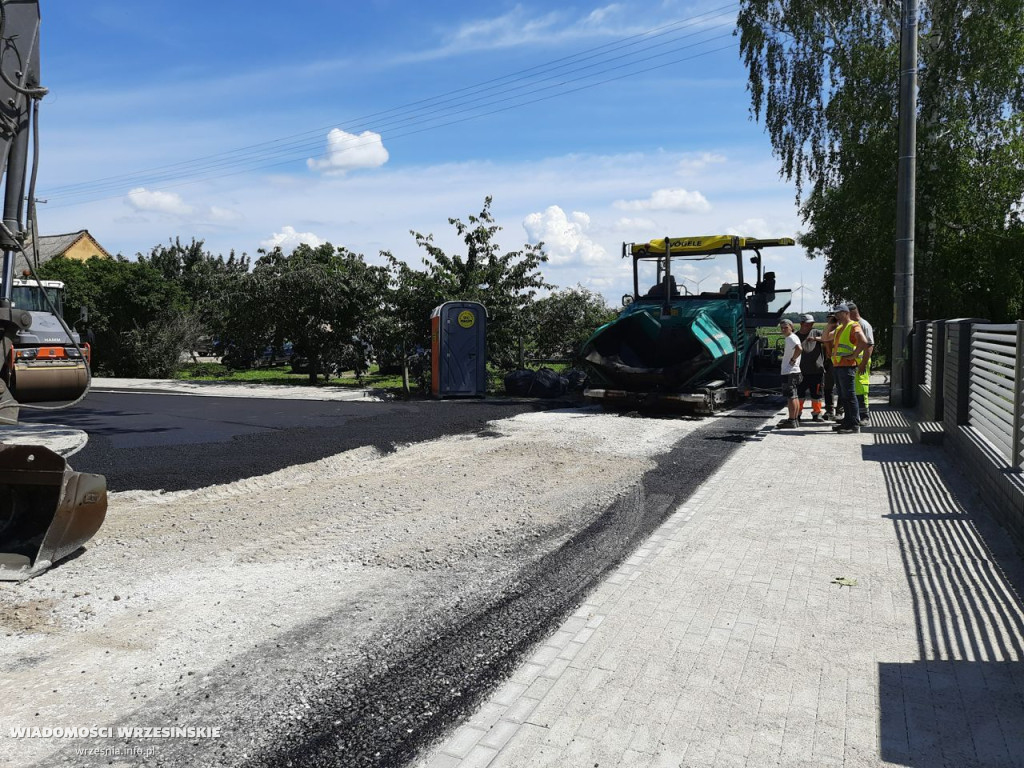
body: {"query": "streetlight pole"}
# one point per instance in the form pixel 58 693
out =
pixel 696 283
pixel 903 298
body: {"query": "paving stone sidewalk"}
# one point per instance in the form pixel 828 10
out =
pixel 824 600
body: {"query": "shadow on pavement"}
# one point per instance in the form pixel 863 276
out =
pixel 962 701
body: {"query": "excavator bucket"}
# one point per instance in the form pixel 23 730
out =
pixel 47 510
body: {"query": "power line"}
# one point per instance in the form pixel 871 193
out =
pixel 259 158
pixel 297 150
pixel 357 123
pixel 427 114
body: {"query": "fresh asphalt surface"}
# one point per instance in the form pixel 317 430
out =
pixel 148 441
pixel 428 681
pixel 414 684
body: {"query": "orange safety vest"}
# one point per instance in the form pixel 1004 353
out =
pixel 843 344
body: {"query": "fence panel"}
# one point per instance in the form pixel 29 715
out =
pixel 995 388
pixel 929 359
pixel 1017 438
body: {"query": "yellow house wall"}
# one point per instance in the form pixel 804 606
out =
pixel 84 249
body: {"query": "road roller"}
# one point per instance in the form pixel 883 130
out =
pixel 48 361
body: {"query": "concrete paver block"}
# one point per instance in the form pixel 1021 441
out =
pixel 724 641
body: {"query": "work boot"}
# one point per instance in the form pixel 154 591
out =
pixel 848 429
pixel 828 416
pixel 865 419
pixel 788 424
pixel 815 417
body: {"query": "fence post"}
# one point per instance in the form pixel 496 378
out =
pixel 1018 399
pixel 938 365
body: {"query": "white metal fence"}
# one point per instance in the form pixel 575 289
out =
pixel 996 388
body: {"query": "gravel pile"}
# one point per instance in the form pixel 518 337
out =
pixel 210 608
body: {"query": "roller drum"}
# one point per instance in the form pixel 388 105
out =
pixel 48 383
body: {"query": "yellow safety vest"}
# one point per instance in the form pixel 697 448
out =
pixel 843 344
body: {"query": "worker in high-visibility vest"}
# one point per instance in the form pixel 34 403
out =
pixel 864 367
pixel 848 344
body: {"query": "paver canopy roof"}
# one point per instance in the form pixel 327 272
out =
pixel 704 244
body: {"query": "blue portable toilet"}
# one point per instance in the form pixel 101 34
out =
pixel 458 349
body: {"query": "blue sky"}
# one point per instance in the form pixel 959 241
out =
pixel 250 124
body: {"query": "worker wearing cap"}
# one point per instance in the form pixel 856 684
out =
pixel 829 382
pixel 812 367
pixel 848 344
pixel 790 370
pixel 864 367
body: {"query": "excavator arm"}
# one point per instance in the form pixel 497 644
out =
pixel 47 510
pixel 20 93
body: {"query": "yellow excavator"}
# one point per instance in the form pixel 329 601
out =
pixel 47 510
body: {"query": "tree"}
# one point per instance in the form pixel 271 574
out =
pixel 824 76
pixel 563 321
pixel 204 279
pixel 505 283
pixel 321 299
pixel 136 316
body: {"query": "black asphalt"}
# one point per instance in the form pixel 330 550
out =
pixel 382 703
pixel 407 701
pixel 144 441
pixel 392 699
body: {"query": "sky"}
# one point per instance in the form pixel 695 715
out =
pixel 256 124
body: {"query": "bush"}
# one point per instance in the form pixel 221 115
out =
pixel 155 350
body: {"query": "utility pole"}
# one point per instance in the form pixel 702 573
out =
pixel 903 298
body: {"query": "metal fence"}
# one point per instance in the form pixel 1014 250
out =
pixel 929 358
pixel 995 388
pixel 971 400
pixel 969 374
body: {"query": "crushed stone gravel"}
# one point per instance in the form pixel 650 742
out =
pixel 183 595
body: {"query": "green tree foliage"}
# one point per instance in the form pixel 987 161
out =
pixel 824 77
pixel 563 321
pixel 505 283
pixel 317 298
pixel 137 323
pixel 204 280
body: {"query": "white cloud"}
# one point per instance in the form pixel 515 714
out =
pixel 565 241
pixel 145 201
pixel 216 214
pixel 639 225
pixel 695 162
pixel 601 16
pixel 753 228
pixel 676 199
pixel 521 27
pixel 348 151
pixel 375 211
pixel 171 205
pixel 287 239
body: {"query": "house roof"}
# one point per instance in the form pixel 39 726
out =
pixel 54 245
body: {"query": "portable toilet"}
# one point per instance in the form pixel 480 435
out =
pixel 457 344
